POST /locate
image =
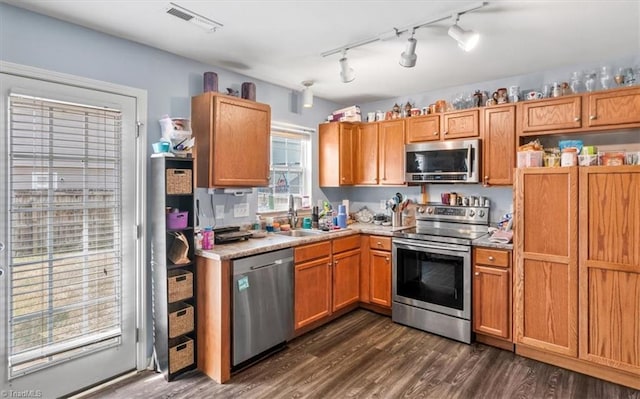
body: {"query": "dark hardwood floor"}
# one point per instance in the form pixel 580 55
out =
pixel 365 355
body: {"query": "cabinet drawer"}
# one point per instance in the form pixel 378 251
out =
pixel 380 243
pixel 346 243
pixel 312 251
pixel 493 257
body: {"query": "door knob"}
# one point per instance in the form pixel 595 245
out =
pixel 1 246
pixel 1 272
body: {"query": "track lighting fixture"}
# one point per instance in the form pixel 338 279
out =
pixel 467 39
pixel 346 72
pixel 307 94
pixel 408 57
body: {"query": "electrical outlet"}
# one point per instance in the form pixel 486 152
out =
pixel 219 211
pixel 241 210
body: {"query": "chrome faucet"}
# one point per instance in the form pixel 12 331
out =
pixel 292 214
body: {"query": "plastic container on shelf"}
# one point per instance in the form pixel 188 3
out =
pixel 177 220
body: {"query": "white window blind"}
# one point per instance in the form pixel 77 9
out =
pixel 290 171
pixel 65 235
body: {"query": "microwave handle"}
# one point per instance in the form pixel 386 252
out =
pixel 469 166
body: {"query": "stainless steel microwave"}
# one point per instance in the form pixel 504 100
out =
pixel 453 161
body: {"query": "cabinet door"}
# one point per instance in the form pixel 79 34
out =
pixel 614 108
pixel 499 145
pixel 610 266
pixel 367 154
pixel 391 152
pixel 423 128
pixel 348 137
pixel 346 279
pixel 461 124
pixel 312 291
pixel 546 259
pixel 491 301
pixel 551 115
pixel 380 277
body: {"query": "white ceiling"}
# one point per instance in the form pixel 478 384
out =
pixel 281 41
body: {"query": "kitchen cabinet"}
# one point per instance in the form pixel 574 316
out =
pixel 609 267
pixel 312 282
pixel 499 145
pixel 367 154
pixel 423 128
pixel 327 279
pixel 232 138
pixel 380 271
pixel 619 108
pixel 550 115
pixel 492 293
pixel 461 124
pixel 173 285
pixel 546 281
pixel 337 154
pixel 391 152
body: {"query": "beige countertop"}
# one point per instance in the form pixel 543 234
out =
pixel 274 241
pixel 484 242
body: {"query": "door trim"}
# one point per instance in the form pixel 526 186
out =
pixel 143 321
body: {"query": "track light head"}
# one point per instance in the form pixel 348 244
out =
pixel 307 94
pixel 467 39
pixel 346 72
pixel 408 57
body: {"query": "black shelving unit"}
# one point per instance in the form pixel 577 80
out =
pixel 175 353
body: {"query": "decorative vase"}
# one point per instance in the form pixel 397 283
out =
pixel 248 90
pixel 210 81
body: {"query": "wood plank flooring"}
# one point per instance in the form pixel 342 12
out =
pixel 365 355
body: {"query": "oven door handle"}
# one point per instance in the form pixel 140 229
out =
pixel 423 245
pixel 469 166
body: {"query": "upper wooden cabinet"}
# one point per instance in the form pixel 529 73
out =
pixel 367 154
pixel 618 108
pixel 609 267
pixel 337 153
pixel 498 147
pixel 550 115
pixel 391 152
pixel 461 124
pixel 546 281
pixel 423 128
pixel 232 141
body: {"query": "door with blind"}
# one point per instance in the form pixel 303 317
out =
pixel 68 200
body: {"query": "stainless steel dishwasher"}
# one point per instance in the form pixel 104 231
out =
pixel 262 304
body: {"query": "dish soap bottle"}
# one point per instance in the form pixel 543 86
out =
pixel 342 216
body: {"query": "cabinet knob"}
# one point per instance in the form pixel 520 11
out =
pixel 329 264
pixel 387 259
pixel 576 119
pixel 445 133
pixel 593 117
pixel 379 244
pixel 435 133
pixel 477 273
pixel 491 258
pixel 335 262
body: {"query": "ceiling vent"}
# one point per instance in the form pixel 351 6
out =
pixel 187 15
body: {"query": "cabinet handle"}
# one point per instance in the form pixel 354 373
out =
pixel 435 133
pixel 576 119
pixel 477 273
pixel 491 258
pixel 593 117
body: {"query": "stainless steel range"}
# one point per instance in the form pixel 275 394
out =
pixel 432 269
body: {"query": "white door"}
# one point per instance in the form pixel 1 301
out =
pixel 68 258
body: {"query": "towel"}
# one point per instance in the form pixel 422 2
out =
pixel 502 237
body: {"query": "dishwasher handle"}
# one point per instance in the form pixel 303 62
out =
pixel 282 258
pixel 275 263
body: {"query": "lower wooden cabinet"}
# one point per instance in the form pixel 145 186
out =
pixel 380 277
pixel 346 279
pixel 492 293
pixel 312 291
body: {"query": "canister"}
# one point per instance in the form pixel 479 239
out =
pixel 569 157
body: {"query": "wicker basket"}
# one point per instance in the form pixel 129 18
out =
pixel 179 181
pixel 180 319
pixel 179 285
pixel 180 354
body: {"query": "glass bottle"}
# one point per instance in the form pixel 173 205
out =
pixel 577 85
pixel 590 81
pixel 606 79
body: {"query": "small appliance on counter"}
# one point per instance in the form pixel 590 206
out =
pixel 226 235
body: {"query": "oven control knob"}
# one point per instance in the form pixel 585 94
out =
pixel 420 209
pixel 472 213
pixel 481 213
pixel 429 210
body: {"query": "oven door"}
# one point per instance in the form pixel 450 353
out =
pixel 433 276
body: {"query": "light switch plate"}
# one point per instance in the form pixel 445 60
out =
pixel 241 210
pixel 219 211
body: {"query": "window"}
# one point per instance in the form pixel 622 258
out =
pixel 290 171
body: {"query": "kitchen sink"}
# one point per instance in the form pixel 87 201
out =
pixel 301 233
